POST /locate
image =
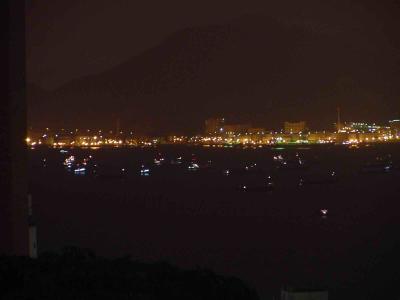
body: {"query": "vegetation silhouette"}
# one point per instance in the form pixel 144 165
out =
pixel 79 274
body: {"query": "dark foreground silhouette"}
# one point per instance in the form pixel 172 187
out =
pixel 79 274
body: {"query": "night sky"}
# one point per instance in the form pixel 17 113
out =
pixel 170 64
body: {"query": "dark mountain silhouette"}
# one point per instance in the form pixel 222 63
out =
pixel 252 69
pixel 39 106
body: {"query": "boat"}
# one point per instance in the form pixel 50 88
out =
pixel 267 185
pixel 159 159
pixel 193 166
pixel 377 167
pixel 290 163
pixel 318 178
pixel 144 171
pixel 177 161
pixel 381 164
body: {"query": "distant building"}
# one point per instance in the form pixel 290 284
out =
pixel 395 126
pixel 368 136
pixel 257 131
pixel 303 294
pixel 83 140
pixel 294 127
pixel 47 139
pixel 365 127
pixel 214 126
pixel 64 139
pixel 361 127
pixel 233 129
pixel 341 136
pixel 321 137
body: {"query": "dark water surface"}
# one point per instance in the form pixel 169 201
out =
pixel 200 218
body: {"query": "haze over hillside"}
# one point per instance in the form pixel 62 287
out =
pixel 251 69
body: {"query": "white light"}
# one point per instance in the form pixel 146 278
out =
pixel 80 170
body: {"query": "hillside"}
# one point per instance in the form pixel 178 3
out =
pixel 252 69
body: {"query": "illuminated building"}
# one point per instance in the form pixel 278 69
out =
pixel 367 136
pixel 321 137
pixel 294 127
pixel 267 138
pixel 234 129
pixel 131 142
pixel 220 134
pixel 364 127
pixel 173 139
pixel 63 139
pixel 395 126
pixel 361 127
pixel 255 131
pixel 83 140
pixel 341 137
pixel 214 126
pixel 47 139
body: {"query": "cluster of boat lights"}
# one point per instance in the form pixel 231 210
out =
pixel 144 171
pixel 79 167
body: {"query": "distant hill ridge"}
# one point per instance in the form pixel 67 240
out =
pixel 251 69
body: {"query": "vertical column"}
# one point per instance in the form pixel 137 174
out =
pixel 33 247
pixel 13 155
pixel 338 125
